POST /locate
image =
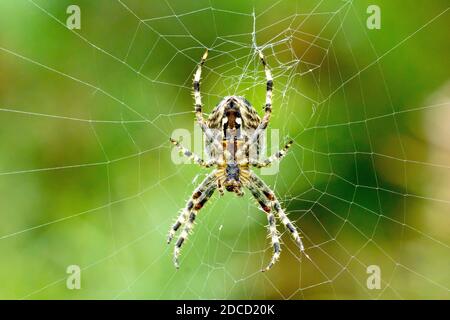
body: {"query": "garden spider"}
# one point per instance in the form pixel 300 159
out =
pixel 232 130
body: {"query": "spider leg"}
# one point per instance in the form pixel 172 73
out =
pixel 196 85
pixel 269 85
pixel 273 233
pixel 267 108
pixel 192 156
pixel 198 103
pixel 196 196
pixel 188 226
pixel 278 155
pixel 280 212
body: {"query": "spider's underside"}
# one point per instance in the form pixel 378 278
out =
pixel 233 131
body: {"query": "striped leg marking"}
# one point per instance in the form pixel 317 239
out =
pixel 192 156
pixel 190 222
pixel 196 85
pixel 272 228
pixel 276 156
pixel 198 103
pixel 269 83
pixel 195 198
pixel 275 204
pixel 275 241
pixel 267 108
pixel 288 224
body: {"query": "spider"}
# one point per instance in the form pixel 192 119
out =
pixel 231 131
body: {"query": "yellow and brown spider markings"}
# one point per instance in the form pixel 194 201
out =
pixel 276 206
pixel 230 154
pixel 197 196
pixel 269 83
pixel 196 85
pixel 265 204
pixel 192 156
pixel 248 114
pixel 278 155
pixel 232 128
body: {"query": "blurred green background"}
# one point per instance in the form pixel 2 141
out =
pixel 86 176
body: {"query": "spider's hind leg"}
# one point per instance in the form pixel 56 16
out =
pixel 275 204
pixel 188 226
pixel 273 233
pixel 196 197
pixel 203 192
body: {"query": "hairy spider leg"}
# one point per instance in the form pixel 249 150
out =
pixel 196 84
pixel 279 155
pixel 188 226
pixel 198 103
pixel 267 108
pixel 272 228
pixel 193 200
pixel 275 204
pixel 192 156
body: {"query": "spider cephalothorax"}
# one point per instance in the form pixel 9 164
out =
pixel 232 133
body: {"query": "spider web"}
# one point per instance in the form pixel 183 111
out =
pixel 86 173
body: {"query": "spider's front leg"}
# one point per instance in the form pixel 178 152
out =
pixel 198 103
pixel 192 156
pixel 269 85
pixel 276 156
pixel 268 106
pixel 196 85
